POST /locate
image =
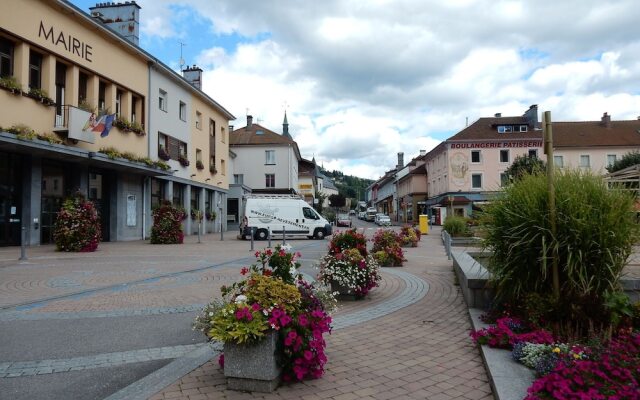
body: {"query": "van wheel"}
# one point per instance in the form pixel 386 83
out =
pixel 319 234
pixel 261 234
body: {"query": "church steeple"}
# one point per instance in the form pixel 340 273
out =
pixel 285 127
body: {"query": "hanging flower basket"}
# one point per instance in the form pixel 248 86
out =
pixel 183 161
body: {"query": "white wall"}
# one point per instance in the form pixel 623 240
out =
pixel 169 122
pixel 250 162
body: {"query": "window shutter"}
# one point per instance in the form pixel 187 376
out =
pixel 173 147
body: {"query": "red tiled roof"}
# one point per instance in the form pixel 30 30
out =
pixel 486 129
pixel 595 133
pixel 250 136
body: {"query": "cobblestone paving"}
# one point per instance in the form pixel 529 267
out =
pixel 420 351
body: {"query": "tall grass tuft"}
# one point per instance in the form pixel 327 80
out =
pixel 596 229
pixel 456 226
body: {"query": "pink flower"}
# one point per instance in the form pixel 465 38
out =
pixel 302 320
pixel 221 360
pixel 308 355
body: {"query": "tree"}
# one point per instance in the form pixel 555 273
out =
pixel 337 200
pixel 627 160
pixel 524 165
pixel 320 198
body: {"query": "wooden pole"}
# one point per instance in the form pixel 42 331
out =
pixel 548 150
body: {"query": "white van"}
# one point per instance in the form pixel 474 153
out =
pixel 276 212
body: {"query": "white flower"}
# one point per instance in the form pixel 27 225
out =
pixel 241 299
pixel 211 314
pixel 286 247
pixel 293 271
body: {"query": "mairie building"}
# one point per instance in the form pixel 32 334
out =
pixel 84 109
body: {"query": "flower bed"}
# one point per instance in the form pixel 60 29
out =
pixel 386 248
pixel 409 237
pixel 349 239
pixel 273 297
pixel 351 270
pixel 77 226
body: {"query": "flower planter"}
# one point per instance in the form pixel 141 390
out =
pixel 344 293
pixel 253 367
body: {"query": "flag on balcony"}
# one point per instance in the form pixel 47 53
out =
pixel 108 123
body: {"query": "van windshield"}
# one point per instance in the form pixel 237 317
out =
pixel 309 213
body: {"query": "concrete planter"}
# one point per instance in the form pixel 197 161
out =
pixel 253 367
pixel 344 293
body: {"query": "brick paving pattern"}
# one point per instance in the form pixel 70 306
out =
pixel 421 351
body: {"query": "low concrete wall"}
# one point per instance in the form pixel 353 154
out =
pixel 478 293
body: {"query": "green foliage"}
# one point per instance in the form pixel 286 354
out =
pixel 77 226
pixel 337 200
pixel 629 159
pixel 524 165
pixel 10 83
pixel 456 226
pixel 227 328
pixel 349 186
pixel 595 233
pixel 272 292
pixel 319 205
pixel 114 153
pixel 167 225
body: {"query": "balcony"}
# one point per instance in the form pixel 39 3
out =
pixel 77 123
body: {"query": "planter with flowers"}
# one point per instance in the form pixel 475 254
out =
pixel 349 273
pixel 163 155
pixel 77 226
pixel 167 226
pixel 182 159
pixel 272 324
pixel 10 84
pixel 199 164
pixel 408 236
pixel 386 248
pixel 41 95
pixel 210 215
pixel 349 239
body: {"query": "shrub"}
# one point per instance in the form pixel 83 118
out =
pixel 167 226
pixel 595 233
pixel 389 241
pixel 456 226
pixel 349 239
pixel 77 227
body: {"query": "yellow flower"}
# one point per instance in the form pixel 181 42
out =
pixel 556 350
pixel 577 356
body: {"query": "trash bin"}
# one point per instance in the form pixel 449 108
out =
pixel 424 224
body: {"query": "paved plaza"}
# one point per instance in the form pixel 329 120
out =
pixel 120 320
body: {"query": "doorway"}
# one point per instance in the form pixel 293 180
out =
pixel 99 194
pixel 10 199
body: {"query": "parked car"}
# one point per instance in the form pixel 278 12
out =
pixel 343 220
pixel 362 215
pixel 383 220
pixel 352 212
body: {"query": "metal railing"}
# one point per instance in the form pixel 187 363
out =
pixel 446 240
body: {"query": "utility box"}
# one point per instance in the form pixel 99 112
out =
pixel 424 224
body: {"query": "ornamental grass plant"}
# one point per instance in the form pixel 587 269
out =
pixel 596 229
pixel 77 226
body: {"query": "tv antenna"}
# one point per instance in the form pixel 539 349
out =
pixel 181 59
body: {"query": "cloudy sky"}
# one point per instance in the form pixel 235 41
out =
pixel 362 80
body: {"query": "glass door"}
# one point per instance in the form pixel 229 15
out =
pixel 10 199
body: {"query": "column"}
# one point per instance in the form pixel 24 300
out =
pixel 21 65
pixel 93 91
pixel 187 206
pixel 110 98
pixel 71 85
pixel 49 75
pixel 125 105
pixel 203 193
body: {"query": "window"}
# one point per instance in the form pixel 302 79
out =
pixel 118 102
pixel 558 161
pixel 223 135
pixel 102 95
pixel 309 213
pixel 270 157
pixel 611 159
pixel 533 153
pixel 212 163
pixel 198 120
pixel 134 106
pixel 524 128
pixel 6 57
pixel 585 161
pixel 198 155
pixel 505 128
pixel 475 156
pixel 157 192
pixel 183 111
pixel 83 82
pixel 162 100
pixel 476 181
pixel 270 180
pixel 183 149
pixel 162 145
pixel 35 70
pixel 504 156
pixel 503 179
pixel 223 167
pixel 238 179
pixel 212 128
pixel 178 194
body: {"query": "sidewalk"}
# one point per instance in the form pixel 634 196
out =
pixel 421 351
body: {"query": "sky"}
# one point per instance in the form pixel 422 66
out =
pixel 362 80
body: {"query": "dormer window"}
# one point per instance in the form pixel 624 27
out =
pixel 524 128
pixel 505 128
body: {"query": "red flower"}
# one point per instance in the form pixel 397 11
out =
pixel 244 271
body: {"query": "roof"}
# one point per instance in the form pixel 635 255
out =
pixel 306 168
pixel 257 134
pixel 327 182
pixel 596 133
pixel 486 129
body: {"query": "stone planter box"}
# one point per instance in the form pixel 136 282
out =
pixel 344 293
pixel 253 367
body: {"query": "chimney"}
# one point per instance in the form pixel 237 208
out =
pixel 123 18
pixel 400 160
pixel 531 115
pixel 606 120
pixel 230 128
pixel 423 152
pixel 193 75
pixel 497 115
pixel 249 122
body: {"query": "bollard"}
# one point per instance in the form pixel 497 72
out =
pixel 284 242
pixel 23 244
pixel 253 231
pixel 269 235
pixel 221 229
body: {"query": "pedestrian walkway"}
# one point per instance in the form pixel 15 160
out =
pixel 417 347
